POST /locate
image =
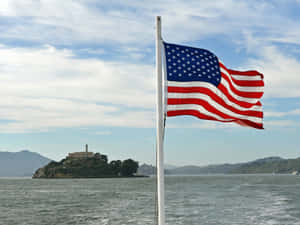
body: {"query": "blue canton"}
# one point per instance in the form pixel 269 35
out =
pixel 186 64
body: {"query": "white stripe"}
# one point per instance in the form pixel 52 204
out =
pixel 200 96
pixel 238 97
pixel 242 88
pixel 198 108
pixel 212 88
pixel 224 110
pixel 239 77
pixel 203 110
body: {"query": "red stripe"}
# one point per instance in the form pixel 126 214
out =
pixel 231 98
pixel 244 94
pixel 244 83
pixel 205 117
pixel 215 111
pixel 248 123
pixel 248 83
pixel 180 101
pixel 242 73
pixel 210 93
pixel 246 73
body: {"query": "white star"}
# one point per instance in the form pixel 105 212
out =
pixel 178 54
pixel 182 58
pixel 179 74
pixel 188 62
pixel 169 60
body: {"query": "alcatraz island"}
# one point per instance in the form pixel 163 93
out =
pixel 88 165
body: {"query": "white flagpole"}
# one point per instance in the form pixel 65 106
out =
pixel 159 127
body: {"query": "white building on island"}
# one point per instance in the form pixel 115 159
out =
pixel 81 155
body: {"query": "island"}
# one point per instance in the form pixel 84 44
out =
pixel 88 165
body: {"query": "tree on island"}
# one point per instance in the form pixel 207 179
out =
pixel 129 167
pixel 115 167
pixel 88 167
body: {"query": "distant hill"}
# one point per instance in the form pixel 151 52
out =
pixel 146 169
pixel 194 170
pixel 20 164
pixel 270 165
pixel 264 165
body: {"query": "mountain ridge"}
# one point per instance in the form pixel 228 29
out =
pixel 273 164
pixel 20 164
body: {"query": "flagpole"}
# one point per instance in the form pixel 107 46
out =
pixel 159 128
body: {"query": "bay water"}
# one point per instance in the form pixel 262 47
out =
pixel 190 200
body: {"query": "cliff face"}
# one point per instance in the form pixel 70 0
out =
pixel 95 167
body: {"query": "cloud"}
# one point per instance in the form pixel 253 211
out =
pixel 280 69
pixel 280 123
pixel 46 88
pixel 132 22
pixel 295 112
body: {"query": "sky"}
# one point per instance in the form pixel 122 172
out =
pixel 78 72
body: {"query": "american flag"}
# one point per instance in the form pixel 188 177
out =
pixel 200 85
